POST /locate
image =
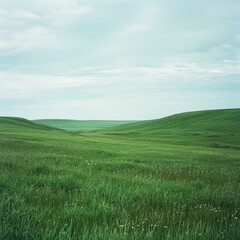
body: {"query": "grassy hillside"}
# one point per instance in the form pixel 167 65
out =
pixel 118 186
pixel 227 120
pixel 79 125
pixel 15 123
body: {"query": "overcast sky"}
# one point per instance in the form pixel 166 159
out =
pixel 118 59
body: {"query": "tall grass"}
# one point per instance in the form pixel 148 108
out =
pixel 56 185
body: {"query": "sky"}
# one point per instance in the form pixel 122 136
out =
pixel 118 59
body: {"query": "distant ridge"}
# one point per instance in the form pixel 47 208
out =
pixel 224 120
pixel 80 125
pixel 16 122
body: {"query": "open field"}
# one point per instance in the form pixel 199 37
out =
pixel 174 178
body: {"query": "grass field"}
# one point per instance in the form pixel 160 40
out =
pixel 174 178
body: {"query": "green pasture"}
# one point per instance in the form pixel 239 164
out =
pixel 175 178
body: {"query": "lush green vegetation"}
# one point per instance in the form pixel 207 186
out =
pixel 79 125
pixel 10 123
pixel 226 120
pixel 137 181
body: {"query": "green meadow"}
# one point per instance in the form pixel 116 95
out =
pixel 172 178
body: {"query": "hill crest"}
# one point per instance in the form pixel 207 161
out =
pixel 226 120
pixel 17 122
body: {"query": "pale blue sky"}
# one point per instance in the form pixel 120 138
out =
pixel 118 59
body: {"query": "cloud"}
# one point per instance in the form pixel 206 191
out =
pixel 150 53
pixel 35 27
pixel 17 85
pixel 127 35
pixel 62 13
pixel 172 74
pixel 27 39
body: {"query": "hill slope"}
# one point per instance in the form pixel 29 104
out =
pixel 15 122
pixel 79 125
pixel 226 120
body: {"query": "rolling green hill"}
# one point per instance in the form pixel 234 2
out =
pixel 173 178
pixel 21 123
pixel 226 120
pixel 79 125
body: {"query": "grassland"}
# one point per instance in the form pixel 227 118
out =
pixel 79 125
pixel 174 178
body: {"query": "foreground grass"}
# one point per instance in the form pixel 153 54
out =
pixel 56 185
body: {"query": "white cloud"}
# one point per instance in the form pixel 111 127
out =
pixel 120 49
pixel 24 29
pixel 174 72
pixel 12 84
pixel 27 39
pixel 126 36
pixel 63 13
